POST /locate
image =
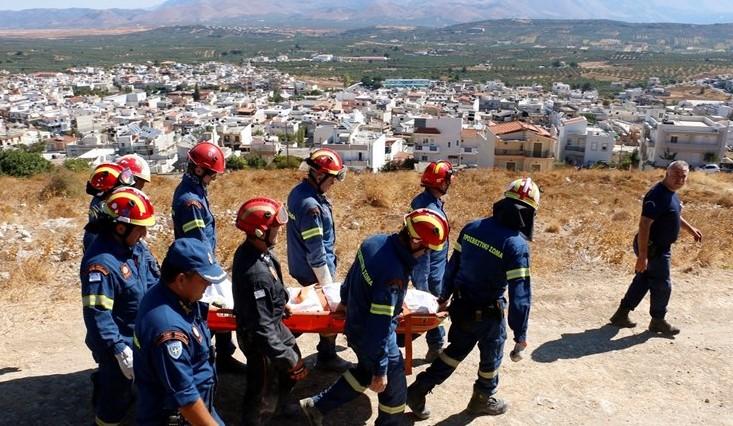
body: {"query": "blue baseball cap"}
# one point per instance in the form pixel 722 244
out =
pixel 191 254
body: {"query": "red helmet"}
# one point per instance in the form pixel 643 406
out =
pixel 427 226
pixel 257 215
pixel 327 161
pixel 524 190
pixel 137 165
pixel 107 176
pixel 130 205
pixel 436 174
pixel 207 156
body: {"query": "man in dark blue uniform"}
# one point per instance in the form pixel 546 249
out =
pixel 174 365
pixel 260 302
pixel 192 218
pixel 491 254
pixel 429 270
pixel 114 277
pixel 659 227
pixel 105 178
pixel 373 293
pixel 312 236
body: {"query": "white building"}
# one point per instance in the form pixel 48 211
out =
pixel 365 151
pixel 581 145
pixel 697 140
pixel 437 139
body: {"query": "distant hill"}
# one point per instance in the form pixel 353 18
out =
pixel 356 13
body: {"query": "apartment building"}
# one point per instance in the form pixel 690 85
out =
pixel 695 139
pixel 522 147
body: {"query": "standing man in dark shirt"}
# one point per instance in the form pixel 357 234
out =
pixel 659 227
pixel 260 299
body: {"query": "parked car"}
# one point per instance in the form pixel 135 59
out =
pixel 709 168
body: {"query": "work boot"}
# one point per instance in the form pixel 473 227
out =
pixel 621 318
pixel 481 405
pixel 333 363
pixel 311 413
pixel 432 355
pixel 660 325
pixel 416 400
pixel 229 364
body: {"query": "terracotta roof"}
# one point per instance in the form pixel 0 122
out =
pixel 469 133
pixel 427 130
pixel 517 126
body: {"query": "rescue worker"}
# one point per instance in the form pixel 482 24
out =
pixel 491 254
pixel 139 168
pixel 659 227
pixel 175 374
pixel 373 293
pixel 112 286
pixel 312 235
pixel 428 273
pixel 105 178
pixel 274 360
pixel 192 218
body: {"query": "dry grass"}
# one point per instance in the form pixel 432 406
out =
pixel 587 219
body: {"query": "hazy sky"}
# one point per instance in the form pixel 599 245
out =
pixel 94 4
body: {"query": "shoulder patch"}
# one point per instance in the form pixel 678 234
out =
pixel 98 268
pixel 259 294
pixel 194 203
pixel 125 270
pixel 167 336
pixel 95 277
pixel 175 348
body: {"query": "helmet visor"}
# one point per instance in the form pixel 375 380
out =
pixel 127 178
pixel 282 216
pixel 341 175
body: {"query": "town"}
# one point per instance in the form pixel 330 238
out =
pixel 260 117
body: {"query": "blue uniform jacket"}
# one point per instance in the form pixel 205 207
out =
pixel 373 292
pixel 191 213
pixel 487 259
pixel 436 259
pixel 112 286
pixel 94 214
pixel 173 360
pixel 311 233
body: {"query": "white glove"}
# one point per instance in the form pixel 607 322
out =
pixel 323 275
pixel 124 359
pixel 516 353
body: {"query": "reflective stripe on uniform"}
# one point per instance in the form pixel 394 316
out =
pixel 392 410
pixel 98 300
pixel 135 341
pixel 196 223
pixel 351 380
pixel 450 362
pixel 517 273
pixel 488 374
pixel 310 233
pixel 377 309
pixel 101 422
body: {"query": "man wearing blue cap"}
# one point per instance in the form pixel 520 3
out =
pixel 175 373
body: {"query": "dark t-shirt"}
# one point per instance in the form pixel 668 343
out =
pixel 664 208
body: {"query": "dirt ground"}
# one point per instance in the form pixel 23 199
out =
pixel 577 371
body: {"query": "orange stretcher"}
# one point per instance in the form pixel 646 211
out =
pixel 333 322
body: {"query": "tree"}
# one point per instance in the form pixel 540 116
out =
pixel 22 164
pixel 196 93
pixel 236 163
pixel 667 155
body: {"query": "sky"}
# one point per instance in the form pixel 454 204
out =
pixel 93 4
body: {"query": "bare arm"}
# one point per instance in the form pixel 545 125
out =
pixel 197 414
pixel 645 224
pixel 696 234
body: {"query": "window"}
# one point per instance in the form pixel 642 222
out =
pixel 673 139
pixel 594 146
pixel 534 168
pixel 511 166
pixel 604 147
pixel 424 158
pixel 448 144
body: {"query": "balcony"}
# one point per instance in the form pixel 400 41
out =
pixel 427 148
pixel 575 148
pixel 523 153
pixel 469 151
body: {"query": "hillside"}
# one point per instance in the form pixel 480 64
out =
pixel 577 371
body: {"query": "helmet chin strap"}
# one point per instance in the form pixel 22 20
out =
pixel 312 175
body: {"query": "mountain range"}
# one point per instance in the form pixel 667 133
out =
pixel 358 13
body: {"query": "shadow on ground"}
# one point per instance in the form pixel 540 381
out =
pixel 588 342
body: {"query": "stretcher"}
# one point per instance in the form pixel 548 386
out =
pixel 410 323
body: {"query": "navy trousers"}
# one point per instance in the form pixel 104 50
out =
pixel 657 281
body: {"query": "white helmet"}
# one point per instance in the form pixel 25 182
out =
pixel 137 165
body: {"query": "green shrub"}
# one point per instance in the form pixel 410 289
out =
pixel 255 161
pixel 236 163
pixel 283 162
pixel 76 164
pixel 22 164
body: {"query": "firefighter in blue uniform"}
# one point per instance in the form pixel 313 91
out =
pixel 312 235
pixel 174 360
pixel 105 178
pixel 428 273
pixel 659 227
pixel 260 303
pixel 373 293
pixel 491 254
pixel 192 218
pixel 113 283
